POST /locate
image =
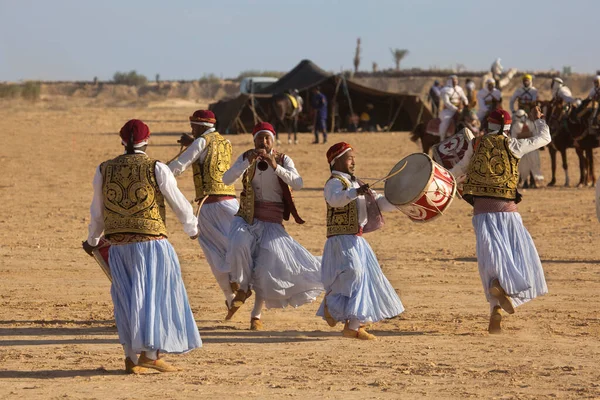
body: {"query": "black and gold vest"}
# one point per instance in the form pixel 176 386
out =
pixel 493 169
pixel 133 202
pixel 246 210
pixel 342 220
pixel 208 176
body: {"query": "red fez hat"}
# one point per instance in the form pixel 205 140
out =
pixel 203 117
pixel 499 120
pixel 263 127
pixel 136 130
pixel 336 151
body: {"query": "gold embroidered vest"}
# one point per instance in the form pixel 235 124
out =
pixel 342 220
pixel 246 210
pixel 208 176
pixel 493 170
pixel 133 202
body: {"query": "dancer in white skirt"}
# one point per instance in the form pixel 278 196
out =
pixel 357 291
pixel 151 307
pixel 261 253
pixel 209 154
pixel 509 265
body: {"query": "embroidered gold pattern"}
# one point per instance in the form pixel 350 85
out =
pixel 208 177
pixel 342 220
pixel 493 170
pixel 133 202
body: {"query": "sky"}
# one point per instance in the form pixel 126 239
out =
pixel 187 39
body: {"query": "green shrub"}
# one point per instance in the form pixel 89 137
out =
pixel 210 78
pixel 9 90
pixel 131 78
pixel 31 91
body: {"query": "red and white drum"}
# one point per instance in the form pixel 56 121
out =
pixel 423 190
pixel 450 151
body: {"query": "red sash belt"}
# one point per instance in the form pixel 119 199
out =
pixel 268 211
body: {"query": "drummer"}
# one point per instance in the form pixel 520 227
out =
pixel 509 264
pixel 357 290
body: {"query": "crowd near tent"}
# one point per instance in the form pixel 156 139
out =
pixel 391 111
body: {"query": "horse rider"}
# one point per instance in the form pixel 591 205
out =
pixel 525 96
pixel 454 100
pixel 561 94
pixel 434 96
pixel 496 70
pixel 594 98
pixel 488 98
pixel 470 93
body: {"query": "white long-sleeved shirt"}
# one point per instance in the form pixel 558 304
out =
pixel 527 94
pixel 564 93
pixel 168 187
pixel 594 93
pixel 197 150
pixel 519 147
pixel 337 196
pixel 452 96
pixel 485 96
pixel 265 183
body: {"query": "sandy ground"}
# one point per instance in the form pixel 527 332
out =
pixel 58 338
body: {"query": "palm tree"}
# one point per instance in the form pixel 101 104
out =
pixel 398 55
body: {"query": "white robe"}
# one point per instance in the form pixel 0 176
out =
pixel 529 95
pixel 486 96
pixel 452 97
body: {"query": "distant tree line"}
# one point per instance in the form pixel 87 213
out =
pixel 29 90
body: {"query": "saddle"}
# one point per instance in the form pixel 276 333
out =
pixel 293 100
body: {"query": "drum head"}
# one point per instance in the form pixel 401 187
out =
pixel 408 185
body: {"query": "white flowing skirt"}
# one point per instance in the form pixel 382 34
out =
pixel 281 271
pixel 505 251
pixel 354 282
pixel 151 305
pixel 214 225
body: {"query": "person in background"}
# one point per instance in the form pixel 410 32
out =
pixel 319 103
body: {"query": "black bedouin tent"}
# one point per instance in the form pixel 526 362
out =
pixel 394 111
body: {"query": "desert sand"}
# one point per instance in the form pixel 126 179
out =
pixel 58 338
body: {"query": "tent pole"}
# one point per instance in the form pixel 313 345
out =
pixel 334 103
pixel 397 113
pixel 241 124
pixel 420 115
pixel 252 107
pixel 347 92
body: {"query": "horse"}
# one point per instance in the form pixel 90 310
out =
pixel 283 113
pixel 428 140
pixel 568 132
pixel 577 126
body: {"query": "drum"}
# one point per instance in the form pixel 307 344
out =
pixel 449 152
pixel 423 190
pixel 101 256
